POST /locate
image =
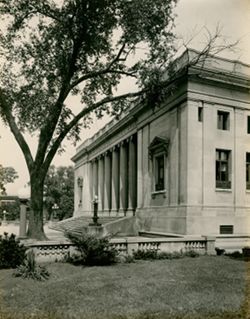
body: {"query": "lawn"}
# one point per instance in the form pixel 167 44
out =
pixel 203 287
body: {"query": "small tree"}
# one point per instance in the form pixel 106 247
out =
pixel 7 175
pixel 59 189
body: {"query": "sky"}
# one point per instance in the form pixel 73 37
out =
pixel 194 17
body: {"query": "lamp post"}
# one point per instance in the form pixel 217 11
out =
pixel 4 216
pixel 55 207
pixel 95 215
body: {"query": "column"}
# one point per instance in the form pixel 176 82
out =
pixel 90 175
pixel 123 178
pixel 132 175
pixel 107 182
pixel 100 183
pixel 95 177
pixel 115 179
pixel 140 188
pixel 22 229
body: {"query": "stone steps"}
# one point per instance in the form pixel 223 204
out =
pixel 79 224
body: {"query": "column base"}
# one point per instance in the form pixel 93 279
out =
pixel 122 212
pixel 130 212
pixel 114 212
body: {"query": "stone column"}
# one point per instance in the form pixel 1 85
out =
pixel 95 178
pixel 115 180
pixel 140 188
pixel 100 184
pixel 132 175
pixel 23 211
pixel 90 174
pixel 123 178
pixel 107 182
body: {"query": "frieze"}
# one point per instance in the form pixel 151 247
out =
pixel 109 144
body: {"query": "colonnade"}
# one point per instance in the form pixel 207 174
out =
pixel 113 178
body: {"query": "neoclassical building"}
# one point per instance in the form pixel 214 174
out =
pixel 182 167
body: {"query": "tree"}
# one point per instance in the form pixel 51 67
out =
pixel 52 50
pixel 59 190
pixel 7 175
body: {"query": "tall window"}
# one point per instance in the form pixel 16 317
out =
pixel 200 114
pixel 223 120
pixel 247 170
pixel 248 125
pixel 159 173
pixel 222 169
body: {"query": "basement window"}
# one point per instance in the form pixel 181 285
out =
pixel 226 229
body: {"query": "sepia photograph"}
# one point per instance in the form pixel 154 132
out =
pixel 124 159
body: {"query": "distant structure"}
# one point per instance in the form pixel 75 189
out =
pixel 182 167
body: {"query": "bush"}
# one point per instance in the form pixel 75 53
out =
pixel 219 251
pixel 12 253
pixel 30 269
pixel 145 254
pixel 92 251
pixel 154 254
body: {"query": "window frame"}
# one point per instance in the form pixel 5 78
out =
pixel 223 182
pixel 248 124
pixel 157 172
pixel 157 148
pixel 247 171
pixel 223 120
pixel 200 114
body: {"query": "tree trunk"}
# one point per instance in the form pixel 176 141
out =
pixel 35 228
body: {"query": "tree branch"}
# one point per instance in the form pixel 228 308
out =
pixel 104 71
pixel 91 75
pixel 15 130
pixel 79 116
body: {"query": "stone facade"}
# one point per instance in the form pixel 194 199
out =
pixel 181 167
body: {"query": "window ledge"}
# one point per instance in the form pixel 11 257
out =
pixel 163 192
pixel 227 190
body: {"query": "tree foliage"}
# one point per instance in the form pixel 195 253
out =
pixel 59 190
pixel 7 175
pixel 52 50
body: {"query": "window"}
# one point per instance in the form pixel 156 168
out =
pixel 247 170
pixel 157 151
pixel 226 229
pixel 200 114
pixel 223 120
pixel 159 173
pixel 222 169
pixel 248 125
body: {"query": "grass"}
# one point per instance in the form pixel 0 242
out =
pixel 197 288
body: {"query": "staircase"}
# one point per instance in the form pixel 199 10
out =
pixel 79 225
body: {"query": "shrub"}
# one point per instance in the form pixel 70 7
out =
pixel 219 251
pixel 92 251
pixel 30 269
pixel 12 253
pixel 154 254
pixel 191 253
pixel 145 254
